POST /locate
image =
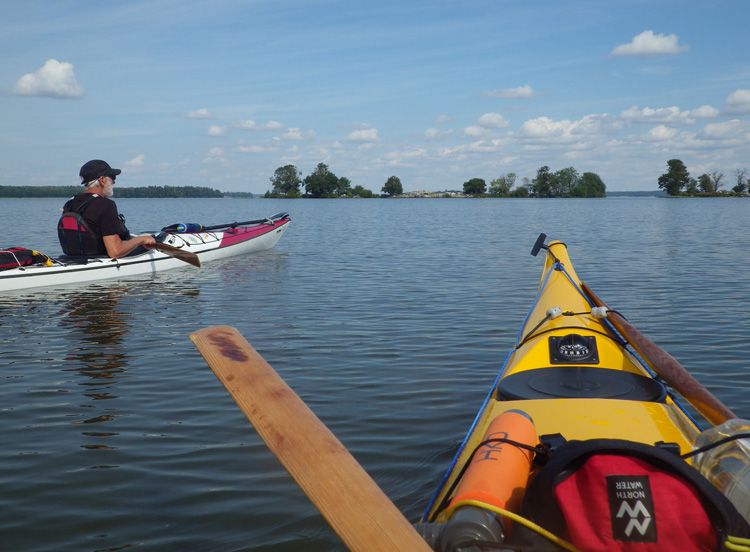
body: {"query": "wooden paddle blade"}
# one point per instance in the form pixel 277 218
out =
pixel 667 367
pixel 177 253
pixel 350 501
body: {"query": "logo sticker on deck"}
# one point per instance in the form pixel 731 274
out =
pixel 631 507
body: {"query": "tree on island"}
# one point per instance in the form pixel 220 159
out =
pixel 564 182
pixel 392 186
pixel 502 185
pixel 678 182
pixel 475 186
pixel 321 182
pixel 589 185
pixel 343 187
pixel 675 179
pixel 741 185
pixel 359 191
pixel 286 182
pixel 541 186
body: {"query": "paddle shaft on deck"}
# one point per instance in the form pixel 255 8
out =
pixel 180 254
pixel 667 367
pixel 352 503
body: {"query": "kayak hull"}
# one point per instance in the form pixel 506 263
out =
pixel 207 245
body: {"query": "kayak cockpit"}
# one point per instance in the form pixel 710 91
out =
pixel 580 382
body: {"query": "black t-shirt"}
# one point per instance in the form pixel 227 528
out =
pixel 101 215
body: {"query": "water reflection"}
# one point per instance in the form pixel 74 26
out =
pixel 93 318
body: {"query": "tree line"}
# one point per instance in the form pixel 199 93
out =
pixel 677 181
pixel 145 192
pixel 287 182
pixel 566 182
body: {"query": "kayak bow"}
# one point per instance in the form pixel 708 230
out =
pixel 571 383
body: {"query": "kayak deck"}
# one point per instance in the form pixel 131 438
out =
pixel 572 374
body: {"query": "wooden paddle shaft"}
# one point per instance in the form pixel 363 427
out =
pixel 667 367
pixel 177 253
pixel 351 502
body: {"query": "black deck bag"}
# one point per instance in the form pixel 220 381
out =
pixel 20 256
pixel 613 495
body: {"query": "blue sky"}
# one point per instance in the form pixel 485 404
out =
pixel 221 93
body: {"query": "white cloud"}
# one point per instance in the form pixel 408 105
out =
pixel 270 146
pixel 436 133
pixel 217 130
pixel 253 149
pixel 544 127
pixel 405 158
pixel 55 79
pixel 582 133
pixel 475 131
pixel 477 146
pixel 519 93
pixel 734 130
pixel 662 132
pixel 200 114
pixel 215 155
pixel 137 161
pixel 667 115
pixel 493 120
pixel 738 102
pixel 442 119
pixel 597 124
pixel 364 135
pixel 249 124
pixel 296 133
pixel 705 112
pixel 649 44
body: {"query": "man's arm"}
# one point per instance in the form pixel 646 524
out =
pixel 117 248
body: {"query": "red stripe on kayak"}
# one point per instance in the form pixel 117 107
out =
pixel 244 233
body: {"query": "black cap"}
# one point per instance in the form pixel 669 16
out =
pixel 96 168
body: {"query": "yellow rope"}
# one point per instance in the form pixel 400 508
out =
pixel 737 543
pixel 517 519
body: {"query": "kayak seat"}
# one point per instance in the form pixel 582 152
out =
pixel 580 382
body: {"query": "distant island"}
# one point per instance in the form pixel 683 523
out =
pixel 205 192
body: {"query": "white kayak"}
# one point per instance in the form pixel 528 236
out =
pixel 208 244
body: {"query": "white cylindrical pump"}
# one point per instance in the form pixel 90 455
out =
pixel 554 312
pixel 599 312
pixel 727 466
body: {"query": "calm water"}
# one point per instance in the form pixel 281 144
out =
pixel 390 318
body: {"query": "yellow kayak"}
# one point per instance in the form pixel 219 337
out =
pixel 582 387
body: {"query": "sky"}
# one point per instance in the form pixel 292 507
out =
pixel 221 93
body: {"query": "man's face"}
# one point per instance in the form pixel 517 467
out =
pixel 108 184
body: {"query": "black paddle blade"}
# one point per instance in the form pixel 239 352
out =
pixel 539 245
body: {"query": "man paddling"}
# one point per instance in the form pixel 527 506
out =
pixel 90 224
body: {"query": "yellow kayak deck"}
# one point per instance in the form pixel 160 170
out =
pixel 574 375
